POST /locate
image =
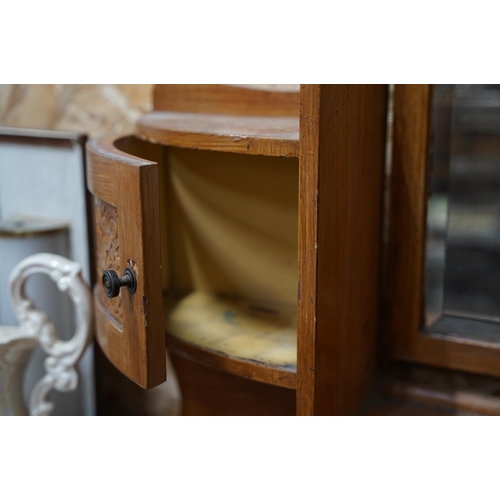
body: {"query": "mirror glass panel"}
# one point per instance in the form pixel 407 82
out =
pixel 463 219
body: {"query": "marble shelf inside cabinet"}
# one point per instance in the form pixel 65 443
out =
pixel 247 338
pixel 257 135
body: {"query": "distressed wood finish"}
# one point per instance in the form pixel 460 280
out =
pixel 235 335
pixel 242 367
pixel 129 184
pixel 406 248
pixel 268 136
pixel 225 99
pixel 341 171
pixel 107 253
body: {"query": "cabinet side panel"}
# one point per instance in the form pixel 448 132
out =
pixel 341 182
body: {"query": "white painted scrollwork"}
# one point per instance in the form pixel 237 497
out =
pixel 62 356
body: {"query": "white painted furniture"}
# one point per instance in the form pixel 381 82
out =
pixel 17 343
pixel 42 176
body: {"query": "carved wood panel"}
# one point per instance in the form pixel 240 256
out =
pixel 107 252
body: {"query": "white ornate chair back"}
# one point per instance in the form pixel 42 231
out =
pixel 17 343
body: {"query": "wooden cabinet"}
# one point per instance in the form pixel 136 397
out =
pixel 251 221
pixel 440 329
pixel 445 151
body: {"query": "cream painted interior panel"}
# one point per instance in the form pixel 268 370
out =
pixel 233 224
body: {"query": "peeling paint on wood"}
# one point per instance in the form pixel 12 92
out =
pixel 263 333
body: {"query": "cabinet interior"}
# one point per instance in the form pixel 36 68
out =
pixel 229 250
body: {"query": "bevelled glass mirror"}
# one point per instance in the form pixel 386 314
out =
pixel 462 267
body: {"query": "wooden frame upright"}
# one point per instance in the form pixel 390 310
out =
pixel 342 144
pixel 406 338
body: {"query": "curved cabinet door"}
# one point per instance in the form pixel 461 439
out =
pixel 129 327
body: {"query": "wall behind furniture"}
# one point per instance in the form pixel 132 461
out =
pixel 41 176
pixel 92 109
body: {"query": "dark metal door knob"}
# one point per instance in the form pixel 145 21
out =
pixel 111 283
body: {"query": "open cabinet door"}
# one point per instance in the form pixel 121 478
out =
pixel 129 325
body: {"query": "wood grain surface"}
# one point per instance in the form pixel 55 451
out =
pixel 130 185
pixel 342 147
pixel 206 391
pixel 226 100
pixel 268 136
